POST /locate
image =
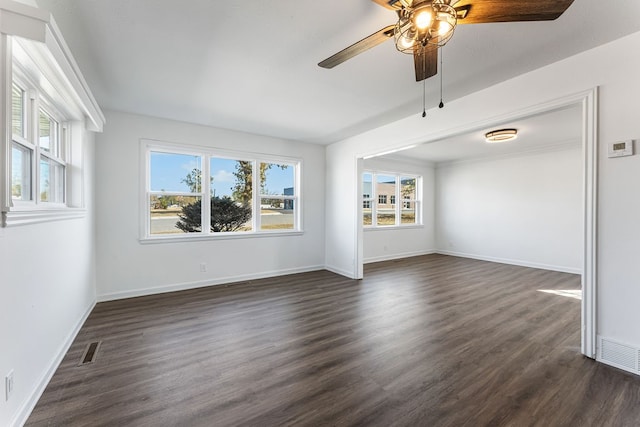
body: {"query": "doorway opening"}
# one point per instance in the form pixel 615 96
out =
pixel 584 107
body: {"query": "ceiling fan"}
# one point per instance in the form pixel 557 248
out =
pixel 423 26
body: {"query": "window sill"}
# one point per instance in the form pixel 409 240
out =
pixel 16 218
pixel 182 238
pixel 393 227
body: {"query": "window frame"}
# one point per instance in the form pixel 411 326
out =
pixel 207 153
pixel 35 102
pixel 374 199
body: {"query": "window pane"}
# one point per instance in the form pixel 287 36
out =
pixel 366 198
pixel 48 133
pixel 172 214
pixel 408 215
pixel 175 172
pixel 17 111
pixel 51 181
pixel 276 179
pixel 385 187
pixel 408 193
pixel 231 178
pixel 276 213
pixel 231 195
pixel 20 172
pixel 408 188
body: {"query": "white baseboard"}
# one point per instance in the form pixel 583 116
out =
pixel 27 407
pixel 204 283
pixel 517 262
pixel 389 257
pixel 340 271
pixel 619 355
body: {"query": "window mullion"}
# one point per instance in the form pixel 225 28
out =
pixel 206 194
pixel 255 196
pixel 33 138
pixel 297 219
pixel 398 206
pixel 374 200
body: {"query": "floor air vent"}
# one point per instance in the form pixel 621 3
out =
pixel 89 355
pixel 619 355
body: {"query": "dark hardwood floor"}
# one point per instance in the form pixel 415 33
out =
pixel 425 341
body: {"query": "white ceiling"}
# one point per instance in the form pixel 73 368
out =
pixel 251 65
pixel 550 130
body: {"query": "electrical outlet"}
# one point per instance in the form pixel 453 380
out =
pixel 8 384
pixel 203 267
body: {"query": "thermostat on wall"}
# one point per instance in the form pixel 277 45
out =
pixel 621 148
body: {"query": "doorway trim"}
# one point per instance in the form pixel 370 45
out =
pixel 588 100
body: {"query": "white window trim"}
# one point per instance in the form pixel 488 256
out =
pixel 36 37
pixel 206 152
pixel 374 201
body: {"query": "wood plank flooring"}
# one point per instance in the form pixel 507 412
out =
pixel 424 341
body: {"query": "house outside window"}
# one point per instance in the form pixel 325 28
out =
pixel 366 203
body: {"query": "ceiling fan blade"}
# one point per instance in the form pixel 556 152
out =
pixel 358 47
pixel 426 63
pixel 485 11
pixel 389 4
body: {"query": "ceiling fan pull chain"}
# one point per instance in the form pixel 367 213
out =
pixel 424 108
pixel 424 85
pixel 441 73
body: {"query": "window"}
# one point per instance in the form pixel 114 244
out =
pixel 52 112
pixel 175 184
pixel 408 214
pixel 277 199
pixel 367 189
pixel 178 202
pixel 21 150
pixel 385 185
pixel 384 189
pixel 38 168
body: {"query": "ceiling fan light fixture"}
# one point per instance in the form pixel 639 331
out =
pixel 429 24
pixel 444 27
pixel 501 135
pixel 406 42
pixel 422 17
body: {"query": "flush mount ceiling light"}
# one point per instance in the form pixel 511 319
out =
pixel 501 135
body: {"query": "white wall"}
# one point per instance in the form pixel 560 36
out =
pixel 48 287
pixel 524 209
pixel 610 67
pixel 384 243
pixel 125 267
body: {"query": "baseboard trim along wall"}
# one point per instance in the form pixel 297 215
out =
pixel 619 355
pixel 204 283
pixel 341 272
pixel 562 269
pixel 390 257
pixel 27 407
